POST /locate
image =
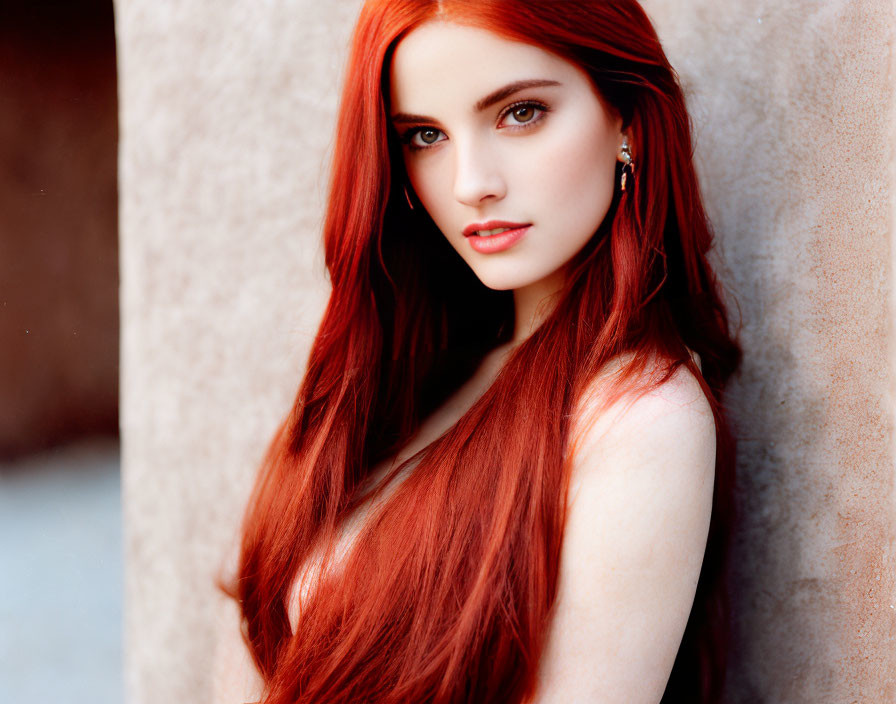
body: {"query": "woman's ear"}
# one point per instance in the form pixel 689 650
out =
pixel 624 147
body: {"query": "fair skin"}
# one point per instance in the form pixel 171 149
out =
pixel 642 475
pixel 543 155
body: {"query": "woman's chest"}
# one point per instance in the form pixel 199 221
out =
pixel 313 572
pixel 314 569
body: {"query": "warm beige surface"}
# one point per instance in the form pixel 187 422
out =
pixel 227 110
pixel 226 116
pixel 793 108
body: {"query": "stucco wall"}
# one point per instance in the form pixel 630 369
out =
pixel 226 115
pixel 794 110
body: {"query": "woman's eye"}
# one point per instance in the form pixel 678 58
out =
pixel 520 115
pixel 523 114
pixel 423 137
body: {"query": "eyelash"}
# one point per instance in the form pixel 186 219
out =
pixel 408 134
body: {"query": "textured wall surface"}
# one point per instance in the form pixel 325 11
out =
pixel 226 114
pixel 793 104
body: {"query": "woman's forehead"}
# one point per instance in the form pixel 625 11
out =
pixel 440 62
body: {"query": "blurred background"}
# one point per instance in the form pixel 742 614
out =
pixel 60 516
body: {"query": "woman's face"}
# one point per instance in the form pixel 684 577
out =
pixel 497 134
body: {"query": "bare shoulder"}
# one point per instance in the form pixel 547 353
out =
pixel 640 504
pixel 677 405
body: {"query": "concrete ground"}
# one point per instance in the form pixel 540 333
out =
pixel 61 577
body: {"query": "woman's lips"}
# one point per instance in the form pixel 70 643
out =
pixel 495 243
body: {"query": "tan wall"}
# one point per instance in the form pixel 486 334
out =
pixel 794 113
pixel 227 111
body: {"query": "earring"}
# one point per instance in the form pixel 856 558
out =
pixel 408 197
pixel 628 165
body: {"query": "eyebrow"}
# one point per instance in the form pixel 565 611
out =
pixel 487 101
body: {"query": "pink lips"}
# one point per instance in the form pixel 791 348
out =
pixel 495 243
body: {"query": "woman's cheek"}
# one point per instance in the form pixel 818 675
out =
pixel 434 189
pixel 578 161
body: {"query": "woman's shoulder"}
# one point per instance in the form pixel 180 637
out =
pixel 646 409
pixel 653 443
pixel 639 509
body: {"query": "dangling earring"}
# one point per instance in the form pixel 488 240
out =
pixel 408 197
pixel 628 165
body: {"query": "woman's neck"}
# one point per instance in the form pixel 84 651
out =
pixel 533 304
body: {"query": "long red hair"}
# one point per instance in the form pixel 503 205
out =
pixel 447 594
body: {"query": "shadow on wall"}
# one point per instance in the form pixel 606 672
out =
pixel 58 223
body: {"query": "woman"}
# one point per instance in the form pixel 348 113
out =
pixel 507 465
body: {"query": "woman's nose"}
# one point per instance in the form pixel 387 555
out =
pixel 477 174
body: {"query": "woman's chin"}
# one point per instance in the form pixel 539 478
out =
pixel 511 278
pixel 503 278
